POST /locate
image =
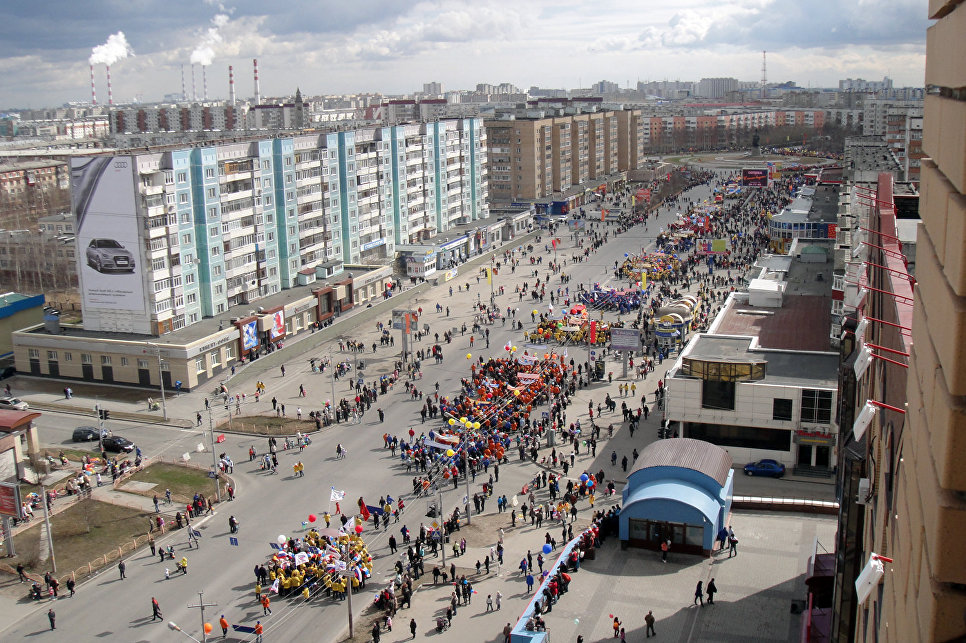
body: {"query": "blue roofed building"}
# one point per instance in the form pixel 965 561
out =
pixel 679 490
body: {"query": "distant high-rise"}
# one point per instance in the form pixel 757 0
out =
pixel 433 88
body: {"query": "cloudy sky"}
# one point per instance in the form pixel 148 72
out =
pixel 393 46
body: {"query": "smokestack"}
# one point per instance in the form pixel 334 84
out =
pixel 194 93
pixel 204 81
pixel 258 95
pixel 110 92
pixel 93 92
pixel 231 86
pixel 184 92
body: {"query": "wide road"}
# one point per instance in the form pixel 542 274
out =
pixel 269 505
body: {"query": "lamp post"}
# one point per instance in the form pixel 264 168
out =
pixel 164 408
pixel 177 628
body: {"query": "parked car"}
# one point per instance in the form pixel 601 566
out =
pixel 117 444
pixel 105 255
pixel 771 468
pixel 84 434
pixel 13 404
pixel 8 371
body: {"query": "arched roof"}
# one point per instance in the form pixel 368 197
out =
pixel 686 453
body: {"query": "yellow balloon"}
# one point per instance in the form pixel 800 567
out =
pixel 535 311
pixel 450 453
pixel 452 421
pixel 516 393
pixel 469 425
pixel 513 350
pixel 476 425
pixel 469 356
pixel 463 420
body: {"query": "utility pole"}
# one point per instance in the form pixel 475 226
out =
pixel 466 476
pixel 442 539
pixel 201 606
pixel 164 407
pixel 100 428
pixel 50 535
pixel 214 458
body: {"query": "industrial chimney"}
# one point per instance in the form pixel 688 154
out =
pixel 231 86
pixel 204 81
pixel 93 92
pixel 110 92
pixel 258 95
pixel 194 92
pixel 184 92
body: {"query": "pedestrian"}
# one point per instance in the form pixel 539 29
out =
pixel 507 630
pixel 71 584
pixel 732 543
pixel 617 627
pixel 699 594
pixel 152 545
pixel 155 610
pixel 51 617
pixel 157 508
pixel 529 583
pixel 258 631
pixel 412 626
pixel 649 622
pixel 223 622
pixel 712 588
pixel 489 602
pixel 499 599
pixel 266 605
pixel 121 567
pixel 20 571
pixel 665 546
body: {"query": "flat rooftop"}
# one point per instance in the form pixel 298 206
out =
pixel 801 324
pixel 784 368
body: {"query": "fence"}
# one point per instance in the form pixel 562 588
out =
pixel 785 504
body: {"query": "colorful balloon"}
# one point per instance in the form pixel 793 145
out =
pixel 208 628
pixel 547 548
pixel 312 518
pixel 358 529
pixel 281 539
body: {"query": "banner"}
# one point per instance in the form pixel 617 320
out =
pixel 336 495
pixel 593 332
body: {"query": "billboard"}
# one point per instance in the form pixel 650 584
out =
pixel 10 500
pixel 625 339
pixel 250 335
pixel 754 177
pixel 278 324
pixel 108 245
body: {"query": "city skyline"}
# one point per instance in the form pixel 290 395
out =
pixel 395 47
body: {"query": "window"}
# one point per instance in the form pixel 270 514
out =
pixel 189 278
pixel 68 357
pixel 216 271
pixel 200 364
pixel 33 353
pixel 52 355
pixel 212 192
pixel 105 360
pixel 159 264
pixel 213 231
pixel 191 298
pixel 86 358
pixel 718 395
pixel 213 214
pixel 142 363
pixel 209 172
pixel 229 352
pixel 168 177
pixel 182 177
pixel 816 406
pixel 214 358
pixel 186 239
pixel 123 361
pixel 781 409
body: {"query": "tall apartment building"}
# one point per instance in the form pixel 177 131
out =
pixel 176 118
pixel 904 137
pixel 909 478
pixel 535 153
pixel 863 85
pixel 716 87
pixel 877 111
pixel 168 237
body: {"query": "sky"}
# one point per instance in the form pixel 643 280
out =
pixel 394 46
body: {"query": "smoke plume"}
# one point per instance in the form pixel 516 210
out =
pixel 116 48
pixel 204 53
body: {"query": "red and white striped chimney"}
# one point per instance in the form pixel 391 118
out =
pixel 258 95
pixel 93 91
pixel 184 92
pixel 110 92
pixel 231 86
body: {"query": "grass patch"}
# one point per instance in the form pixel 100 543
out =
pixel 269 425
pixel 184 482
pixel 84 532
pixel 77 455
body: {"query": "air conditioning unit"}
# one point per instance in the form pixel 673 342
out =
pixel 864 496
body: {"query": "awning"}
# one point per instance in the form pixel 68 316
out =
pixel 675 491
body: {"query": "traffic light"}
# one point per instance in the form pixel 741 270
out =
pixel 104 414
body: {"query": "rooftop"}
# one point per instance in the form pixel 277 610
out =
pixel 784 368
pixel 703 457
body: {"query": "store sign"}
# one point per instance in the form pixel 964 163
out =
pixel 373 244
pixel 816 438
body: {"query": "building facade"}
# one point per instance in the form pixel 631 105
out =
pixel 166 238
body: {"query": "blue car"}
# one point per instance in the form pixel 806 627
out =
pixel 771 468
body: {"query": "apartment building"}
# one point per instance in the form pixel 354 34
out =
pixel 904 492
pixel 904 136
pixel 214 116
pixel 537 152
pixel 166 238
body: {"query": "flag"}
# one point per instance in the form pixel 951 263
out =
pixel 337 509
pixel 336 495
pixel 274 588
pixel 489 275
pixel 554 243
pixel 364 511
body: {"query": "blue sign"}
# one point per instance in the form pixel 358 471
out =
pixel 233 541
pixel 250 335
pixel 373 244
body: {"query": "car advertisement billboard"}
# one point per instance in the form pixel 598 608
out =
pixel 108 247
pixel 250 335
pixel 754 177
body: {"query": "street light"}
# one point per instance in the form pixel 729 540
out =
pixel 164 408
pixel 177 628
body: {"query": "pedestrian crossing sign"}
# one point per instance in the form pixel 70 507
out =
pixel 233 541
